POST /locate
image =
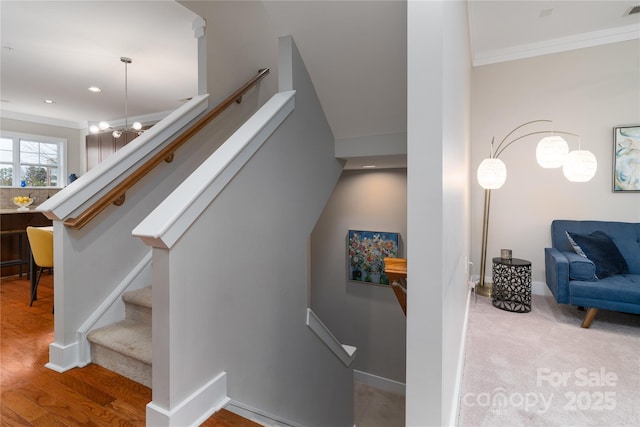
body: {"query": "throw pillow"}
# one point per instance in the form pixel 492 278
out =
pixel 599 248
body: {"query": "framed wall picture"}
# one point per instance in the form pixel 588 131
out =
pixel 626 158
pixel 366 253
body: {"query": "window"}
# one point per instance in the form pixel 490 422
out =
pixel 31 161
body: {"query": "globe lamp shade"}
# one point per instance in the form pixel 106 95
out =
pixel 552 152
pixel 580 166
pixel 492 173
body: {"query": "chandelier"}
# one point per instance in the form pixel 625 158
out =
pixel 136 127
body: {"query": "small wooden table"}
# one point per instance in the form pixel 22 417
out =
pixel 396 271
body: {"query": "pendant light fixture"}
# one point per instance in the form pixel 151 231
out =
pixel 136 127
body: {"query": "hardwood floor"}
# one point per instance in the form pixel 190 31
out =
pixel 32 395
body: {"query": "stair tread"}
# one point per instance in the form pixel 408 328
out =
pixel 140 297
pixel 128 337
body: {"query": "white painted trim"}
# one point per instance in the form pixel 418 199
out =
pixel 166 223
pixel 87 189
pixel 199 27
pixel 193 410
pixel 379 382
pixel 62 357
pixel 454 405
pixel 138 277
pixel 14 115
pixel 540 288
pixel 256 415
pixel 562 44
pixel 345 353
pixel 537 288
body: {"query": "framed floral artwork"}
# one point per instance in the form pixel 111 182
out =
pixel 626 159
pixel 367 251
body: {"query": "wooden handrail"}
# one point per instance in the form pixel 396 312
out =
pixel 117 194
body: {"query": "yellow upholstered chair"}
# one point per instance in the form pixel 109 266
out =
pixel 41 242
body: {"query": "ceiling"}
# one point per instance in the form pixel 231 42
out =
pixel 56 50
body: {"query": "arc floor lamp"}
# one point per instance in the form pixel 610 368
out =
pixel 552 152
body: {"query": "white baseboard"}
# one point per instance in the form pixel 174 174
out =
pixel 62 357
pixel 537 288
pixel 256 415
pixel 453 411
pixel 540 288
pixel 379 382
pixel 193 410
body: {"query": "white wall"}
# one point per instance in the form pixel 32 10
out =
pixel 587 91
pixel 363 315
pixel 97 258
pixel 238 281
pixel 438 212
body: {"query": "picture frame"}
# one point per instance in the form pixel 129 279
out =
pixel 626 159
pixel 366 251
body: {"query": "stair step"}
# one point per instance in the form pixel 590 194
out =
pixel 138 305
pixel 140 297
pixel 124 347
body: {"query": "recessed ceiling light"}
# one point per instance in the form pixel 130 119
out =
pixel 49 101
pixel 95 89
pixel 368 166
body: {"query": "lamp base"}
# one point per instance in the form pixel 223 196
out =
pixel 485 290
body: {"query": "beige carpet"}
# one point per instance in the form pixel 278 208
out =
pixel 377 408
pixel 542 369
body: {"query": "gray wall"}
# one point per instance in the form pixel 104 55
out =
pixel 363 315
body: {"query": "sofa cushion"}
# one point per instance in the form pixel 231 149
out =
pixel 599 248
pixel 622 288
pixel 580 267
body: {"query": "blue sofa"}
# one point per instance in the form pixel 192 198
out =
pixel 597 278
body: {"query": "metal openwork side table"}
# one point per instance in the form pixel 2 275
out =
pixel 512 285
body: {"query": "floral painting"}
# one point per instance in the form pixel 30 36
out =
pixel 367 251
pixel 626 158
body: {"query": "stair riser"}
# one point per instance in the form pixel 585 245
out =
pixel 138 313
pixel 117 362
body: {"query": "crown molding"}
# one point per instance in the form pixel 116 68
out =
pixel 562 44
pixel 80 125
pixel 14 115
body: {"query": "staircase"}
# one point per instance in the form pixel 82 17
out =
pixel 125 347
